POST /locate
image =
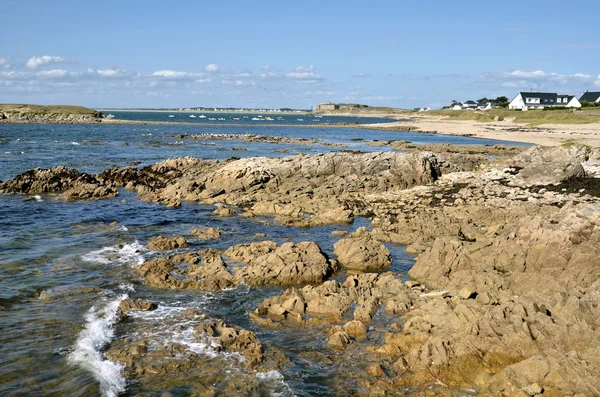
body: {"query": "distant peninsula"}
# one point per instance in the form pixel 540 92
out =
pixel 53 114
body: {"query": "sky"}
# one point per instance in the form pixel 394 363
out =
pixel 234 53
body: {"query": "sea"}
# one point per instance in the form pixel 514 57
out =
pixel 81 256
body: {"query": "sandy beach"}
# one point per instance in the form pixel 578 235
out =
pixel 544 134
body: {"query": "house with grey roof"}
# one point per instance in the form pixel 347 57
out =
pixel 541 100
pixel 590 97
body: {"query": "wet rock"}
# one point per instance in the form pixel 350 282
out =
pixel 207 233
pixel 162 243
pixel 65 290
pixel 71 183
pixel 129 304
pixel 361 252
pixel 224 211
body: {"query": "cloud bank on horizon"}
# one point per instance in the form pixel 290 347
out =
pixel 214 85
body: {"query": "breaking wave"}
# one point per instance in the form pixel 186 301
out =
pixel 88 349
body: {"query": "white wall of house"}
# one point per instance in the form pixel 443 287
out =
pixel 517 102
pixel 574 103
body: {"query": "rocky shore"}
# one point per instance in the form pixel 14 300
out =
pixel 504 298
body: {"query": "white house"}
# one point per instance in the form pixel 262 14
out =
pixel 540 100
pixel 590 97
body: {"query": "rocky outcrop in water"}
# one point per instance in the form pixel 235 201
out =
pixel 49 118
pixel 69 182
pixel 194 356
pixel 265 262
pixel 163 243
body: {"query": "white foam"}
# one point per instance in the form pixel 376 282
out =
pixel 88 349
pixel 275 381
pixel 188 338
pixel 38 198
pixel 127 287
pixel 75 143
pixel 128 254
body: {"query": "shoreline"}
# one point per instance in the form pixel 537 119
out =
pixel 543 134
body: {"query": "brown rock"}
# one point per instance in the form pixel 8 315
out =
pixel 162 243
pixel 361 252
pixel 339 340
pixel 207 233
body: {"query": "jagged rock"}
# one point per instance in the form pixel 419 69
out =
pixel 355 328
pixel 207 233
pixel 136 304
pixel 71 183
pixel 288 264
pixel 224 211
pixel 339 340
pixel 549 165
pixel 162 243
pixel 361 252
pixel 330 301
pixel 184 271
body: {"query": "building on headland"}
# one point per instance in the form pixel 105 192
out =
pixel 326 106
pixel 470 105
pixel 541 100
pixel 590 97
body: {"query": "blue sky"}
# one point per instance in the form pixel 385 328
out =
pixel 293 54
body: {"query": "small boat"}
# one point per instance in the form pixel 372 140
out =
pixel 171 115
pixel 255 119
pixel 300 119
pixel 192 116
pixel 202 116
pixel 211 118
pixel 221 118
pixel 269 118
pixel 236 118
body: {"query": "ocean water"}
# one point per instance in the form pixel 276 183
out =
pixel 86 253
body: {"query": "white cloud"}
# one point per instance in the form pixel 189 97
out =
pixel 108 73
pixel 304 73
pixel 527 75
pixel 538 80
pixel 35 62
pixel 4 63
pixel 173 74
pixel 204 81
pixel 56 73
pixel 361 75
pixel 212 68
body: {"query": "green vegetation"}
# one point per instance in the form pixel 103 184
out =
pixel 48 110
pixel 531 117
pixel 586 104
